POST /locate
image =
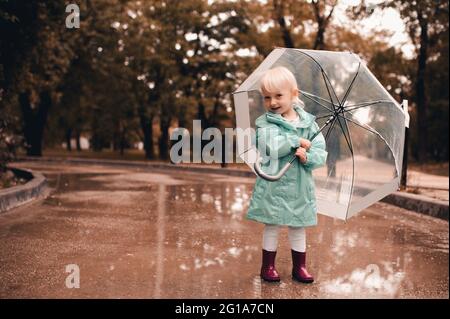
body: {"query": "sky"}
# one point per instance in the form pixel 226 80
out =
pixel 388 19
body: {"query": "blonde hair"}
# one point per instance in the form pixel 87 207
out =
pixel 278 78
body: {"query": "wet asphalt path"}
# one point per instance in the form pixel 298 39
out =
pixel 164 234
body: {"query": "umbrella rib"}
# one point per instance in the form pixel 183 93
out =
pixel 350 137
pixel 331 127
pixel 353 182
pixel 350 146
pixel 372 131
pixel 332 88
pixel 348 140
pixel 312 95
pixel 367 103
pixel 317 102
pixel 325 77
pixel 331 119
pixel 362 126
pixel 322 116
pixel 351 85
pixel 345 118
pixel 358 107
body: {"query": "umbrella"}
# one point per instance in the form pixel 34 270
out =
pixel 363 125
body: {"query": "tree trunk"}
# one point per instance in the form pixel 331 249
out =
pixel 122 140
pixel 201 115
pixel 319 43
pixel 115 138
pixel 77 139
pixel 421 94
pixel 403 180
pixel 147 129
pixel 68 138
pixel 34 122
pixel 96 139
pixel 286 34
pixel 182 113
pixel 322 23
pixel 204 123
pixel 214 118
pixel 164 138
pixel 223 163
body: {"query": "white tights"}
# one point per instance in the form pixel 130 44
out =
pixel 297 238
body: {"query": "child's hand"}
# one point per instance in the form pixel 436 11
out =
pixel 306 144
pixel 301 154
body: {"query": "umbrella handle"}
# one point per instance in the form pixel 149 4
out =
pixel 267 177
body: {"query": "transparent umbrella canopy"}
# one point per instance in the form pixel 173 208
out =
pixel 363 125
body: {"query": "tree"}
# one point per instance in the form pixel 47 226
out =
pixel 436 81
pixel 35 56
pixel 323 11
pixel 426 22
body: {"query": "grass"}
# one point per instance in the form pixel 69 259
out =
pixel 8 179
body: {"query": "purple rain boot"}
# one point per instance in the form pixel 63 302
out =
pixel 268 271
pixel 299 271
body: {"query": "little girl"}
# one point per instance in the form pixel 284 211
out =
pixel 290 201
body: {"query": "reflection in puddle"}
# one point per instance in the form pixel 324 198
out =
pixel 364 283
pixel 226 199
pixel 344 241
pixel 234 251
pixel 160 240
pixel 219 258
pixel 256 284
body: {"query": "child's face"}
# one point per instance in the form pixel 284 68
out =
pixel 279 101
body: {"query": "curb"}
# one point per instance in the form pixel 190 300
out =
pixel 418 203
pixel 22 194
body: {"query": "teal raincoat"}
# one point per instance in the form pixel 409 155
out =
pixel 290 200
